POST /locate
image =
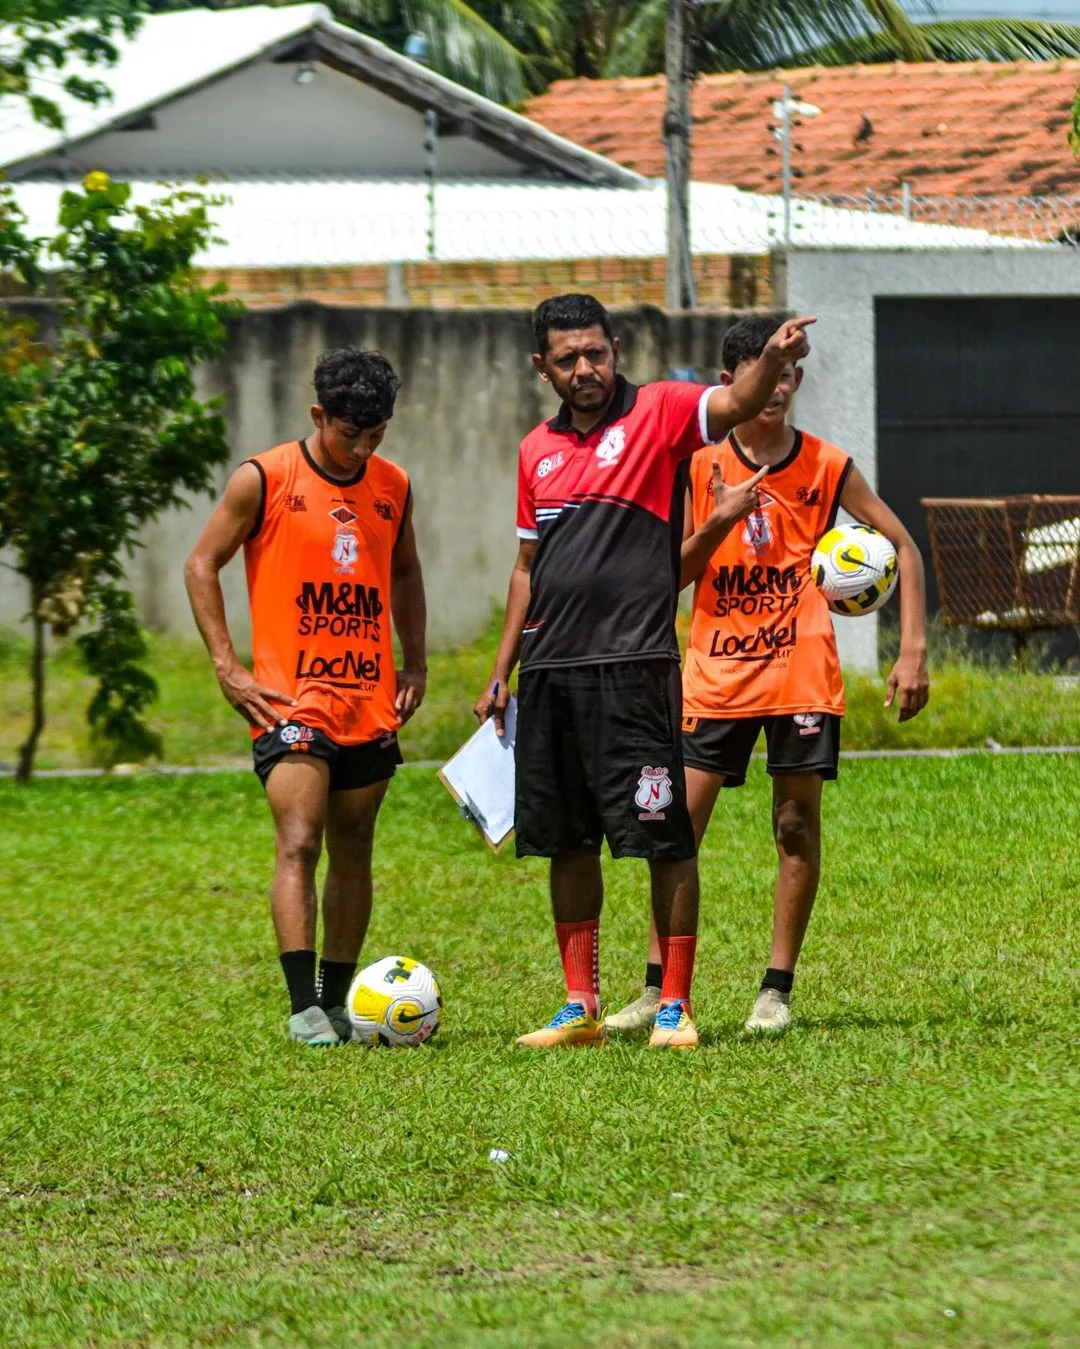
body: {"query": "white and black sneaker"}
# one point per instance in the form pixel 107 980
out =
pixel 637 1015
pixel 771 1014
pixel 313 1027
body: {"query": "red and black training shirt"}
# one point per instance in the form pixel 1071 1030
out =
pixel 606 509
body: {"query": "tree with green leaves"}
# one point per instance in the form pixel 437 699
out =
pixel 39 37
pixel 101 429
pixel 508 49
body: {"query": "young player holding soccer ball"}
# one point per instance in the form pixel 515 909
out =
pixel 762 653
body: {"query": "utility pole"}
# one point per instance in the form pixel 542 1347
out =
pixel 785 160
pixel 679 280
pixel 431 168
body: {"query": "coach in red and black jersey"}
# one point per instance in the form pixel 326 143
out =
pixel 590 615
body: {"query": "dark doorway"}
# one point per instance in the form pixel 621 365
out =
pixel 977 398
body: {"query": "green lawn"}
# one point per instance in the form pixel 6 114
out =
pixel 969 703
pixel 900 1170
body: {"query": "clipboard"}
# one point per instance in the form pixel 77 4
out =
pixel 480 778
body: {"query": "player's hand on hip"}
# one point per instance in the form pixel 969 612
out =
pixel 252 700
pixel 732 503
pixel 909 685
pixel 411 687
pixel 789 342
pixel 493 703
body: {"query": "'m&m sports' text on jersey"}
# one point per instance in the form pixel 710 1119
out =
pixel 318 572
pixel 606 509
pixel 761 637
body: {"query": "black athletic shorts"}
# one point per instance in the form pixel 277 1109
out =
pixel 598 754
pixel 351 766
pixel 808 742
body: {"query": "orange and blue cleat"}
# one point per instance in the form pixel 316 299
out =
pixel 570 1028
pixel 674 1028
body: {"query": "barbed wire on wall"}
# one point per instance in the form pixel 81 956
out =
pixel 267 223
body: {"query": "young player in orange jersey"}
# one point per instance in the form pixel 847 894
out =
pixel 326 528
pixel 762 652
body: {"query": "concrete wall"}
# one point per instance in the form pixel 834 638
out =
pixel 469 394
pixel 837 399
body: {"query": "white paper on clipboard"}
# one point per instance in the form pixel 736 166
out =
pixel 481 777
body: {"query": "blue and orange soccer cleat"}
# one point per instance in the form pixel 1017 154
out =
pixel 570 1028
pixel 674 1028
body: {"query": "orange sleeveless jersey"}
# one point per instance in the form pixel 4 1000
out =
pixel 761 637
pixel 318 575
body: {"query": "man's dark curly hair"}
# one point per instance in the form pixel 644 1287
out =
pixel 747 339
pixel 567 313
pixel 356 387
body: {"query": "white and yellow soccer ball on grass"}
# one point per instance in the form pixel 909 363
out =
pixel 396 1001
pixel 855 568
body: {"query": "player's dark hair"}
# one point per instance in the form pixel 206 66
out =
pixel 356 387
pixel 747 339
pixel 567 313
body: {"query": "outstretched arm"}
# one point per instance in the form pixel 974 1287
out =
pixel 908 677
pixel 495 698
pixel 408 604
pixel 231 521
pixel 752 387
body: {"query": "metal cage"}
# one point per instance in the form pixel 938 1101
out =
pixel 1012 563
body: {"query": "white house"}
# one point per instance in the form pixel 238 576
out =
pixel 334 150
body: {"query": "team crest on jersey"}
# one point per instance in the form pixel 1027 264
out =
pixel 346 550
pixel 758 531
pixel 612 444
pixel 548 464
pixel 653 793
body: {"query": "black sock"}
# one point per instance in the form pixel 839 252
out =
pixel 654 975
pixel 781 980
pixel 299 968
pixel 335 976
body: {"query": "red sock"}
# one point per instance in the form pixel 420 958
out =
pixel 579 946
pixel 677 954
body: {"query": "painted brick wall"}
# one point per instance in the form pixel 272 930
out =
pixel 723 283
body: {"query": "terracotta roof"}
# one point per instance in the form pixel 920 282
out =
pixel 965 129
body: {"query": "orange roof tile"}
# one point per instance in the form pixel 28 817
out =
pixel 966 129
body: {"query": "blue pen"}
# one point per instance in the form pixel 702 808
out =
pixel 494 695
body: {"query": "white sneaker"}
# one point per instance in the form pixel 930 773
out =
pixel 313 1027
pixel 638 1015
pixel 771 1014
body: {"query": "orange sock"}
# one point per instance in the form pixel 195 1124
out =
pixel 677 954
pixel 579 946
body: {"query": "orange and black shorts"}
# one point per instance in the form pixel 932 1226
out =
pixel 808 742
pixel 351 766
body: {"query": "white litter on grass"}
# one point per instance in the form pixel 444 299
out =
pixel 498 1155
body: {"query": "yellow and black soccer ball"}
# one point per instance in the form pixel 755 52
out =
pixel 395 1001
pixel 855 568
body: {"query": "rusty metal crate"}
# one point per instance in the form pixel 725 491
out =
pixel 1008 563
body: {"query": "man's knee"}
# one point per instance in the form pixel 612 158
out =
pixel 352 845
pixel 299 844
pixel 796 828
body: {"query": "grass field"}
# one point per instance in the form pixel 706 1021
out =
pixel 900 1170
pixel 969 702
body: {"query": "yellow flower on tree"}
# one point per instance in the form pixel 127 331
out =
pixel 97 181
